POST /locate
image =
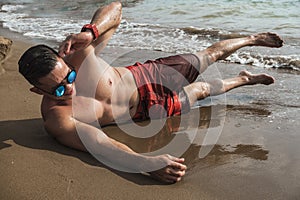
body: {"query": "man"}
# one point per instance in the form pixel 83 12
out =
pixel 136 92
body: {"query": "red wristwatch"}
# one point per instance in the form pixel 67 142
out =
pixel 93 28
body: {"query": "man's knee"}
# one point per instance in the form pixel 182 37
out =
pixel 197 91
pixel 216 87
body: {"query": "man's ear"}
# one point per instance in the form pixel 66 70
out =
pixel 36 90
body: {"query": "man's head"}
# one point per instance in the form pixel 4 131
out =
pixel 37 62
pixel 46 71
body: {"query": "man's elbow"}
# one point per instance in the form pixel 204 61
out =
pixel 117 7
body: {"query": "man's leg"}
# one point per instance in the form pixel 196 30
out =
pixel 200 90
pixel 223 49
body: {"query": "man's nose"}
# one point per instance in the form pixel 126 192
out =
pixel 69 87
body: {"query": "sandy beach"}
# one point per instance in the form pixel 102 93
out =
pixel 256 156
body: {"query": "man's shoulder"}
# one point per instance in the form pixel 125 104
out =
pixel 49 106
pixel 57 116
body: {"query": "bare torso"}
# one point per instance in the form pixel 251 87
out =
pixel 116 98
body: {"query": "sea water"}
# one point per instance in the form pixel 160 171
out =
pixel 173 26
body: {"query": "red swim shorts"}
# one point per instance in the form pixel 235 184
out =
pixel 160 85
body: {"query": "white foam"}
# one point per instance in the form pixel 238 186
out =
pixel 45 28
pixel 10 8
pixel 267 61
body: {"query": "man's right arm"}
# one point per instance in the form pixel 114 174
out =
pixel 106 19
pixel 82 136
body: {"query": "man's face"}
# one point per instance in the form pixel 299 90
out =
pixel 57 77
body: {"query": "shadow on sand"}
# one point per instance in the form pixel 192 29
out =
pixel 31 134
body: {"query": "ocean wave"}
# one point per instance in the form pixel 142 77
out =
pixel 156 37
pixel 11 8
pixel 37 27
pixel 141 36
pixel 211 33
pixel 290 62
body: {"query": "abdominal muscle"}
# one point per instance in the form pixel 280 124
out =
pixel 117 96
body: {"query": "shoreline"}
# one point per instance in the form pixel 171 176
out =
pixel 256 156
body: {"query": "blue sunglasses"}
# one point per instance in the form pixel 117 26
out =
pixel 61 89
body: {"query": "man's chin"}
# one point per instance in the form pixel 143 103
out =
pixel 65 97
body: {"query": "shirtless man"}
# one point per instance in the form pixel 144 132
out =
pixel 53 76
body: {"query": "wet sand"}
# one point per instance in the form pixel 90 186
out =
pixel 256 155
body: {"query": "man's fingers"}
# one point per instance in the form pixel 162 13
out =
pixel 177 173
pixel 65 47
pixel 167 177
pixel 171 179
pixel 180 160
pixel 177 165
pixel 172 172
pixel 171 175
pixel 63 50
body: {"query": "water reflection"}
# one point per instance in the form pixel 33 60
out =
pixel 247 110
pixel 222 154
pixel 180 126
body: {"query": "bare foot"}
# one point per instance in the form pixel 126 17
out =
pixel 257 78
pixel 267 40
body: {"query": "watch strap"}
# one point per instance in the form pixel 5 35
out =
pixel 91 27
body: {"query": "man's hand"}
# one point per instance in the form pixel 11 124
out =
pixel 75 42
pixel 106 19
pixel 172 172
